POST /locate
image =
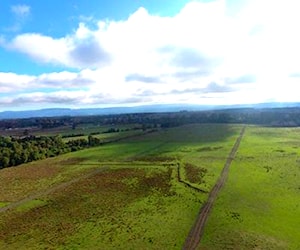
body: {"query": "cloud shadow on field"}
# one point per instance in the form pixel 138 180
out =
pixel 193 133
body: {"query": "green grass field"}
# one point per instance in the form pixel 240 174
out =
pixel 136 202
pixel 106 137
pixel 132 198
pixel 259 207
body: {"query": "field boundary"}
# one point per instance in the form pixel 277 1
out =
pixel 194 237
pixel 158 164
pixel 187 184
pixel 108 166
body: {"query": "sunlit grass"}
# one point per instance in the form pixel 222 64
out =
pixel 136 203
pixel 259 206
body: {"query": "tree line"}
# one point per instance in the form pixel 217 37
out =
pixel 266 116
pixel 16 151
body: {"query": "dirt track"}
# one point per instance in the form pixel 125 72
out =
pixel 197 230
pixel 50 190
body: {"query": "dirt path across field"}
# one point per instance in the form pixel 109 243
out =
pixel 52 189
pixel 197 230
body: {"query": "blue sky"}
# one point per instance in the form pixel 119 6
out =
pixel 80 53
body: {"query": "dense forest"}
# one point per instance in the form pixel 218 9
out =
pixel 15 151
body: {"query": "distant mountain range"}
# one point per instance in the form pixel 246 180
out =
pixel 56 112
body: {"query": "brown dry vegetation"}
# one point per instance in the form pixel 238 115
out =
pixel 194 174
pixel 154 158
pixel 27 179
pixel 85 201
pixel 22 180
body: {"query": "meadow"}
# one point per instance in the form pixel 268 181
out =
pixel 131 200
pixel 144 192
pixel 259 207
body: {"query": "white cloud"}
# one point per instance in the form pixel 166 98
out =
pixel 21 13
pixel 41 48
pixel 14 83
pixel 81 50
pixel 10 82
pixel 204 54
pixel 21 10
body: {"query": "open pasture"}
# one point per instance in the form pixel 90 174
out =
pixel 259 207
pixel 106 137
pixel 132 194
pixel 133 201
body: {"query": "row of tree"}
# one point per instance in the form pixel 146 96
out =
pixel 267 116
pixel 14 151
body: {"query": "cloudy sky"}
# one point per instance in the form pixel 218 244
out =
pixel 102 53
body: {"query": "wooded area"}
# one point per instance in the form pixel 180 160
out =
pixel 15 151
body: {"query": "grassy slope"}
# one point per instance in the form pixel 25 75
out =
pixel 137 204
pixel 259 207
